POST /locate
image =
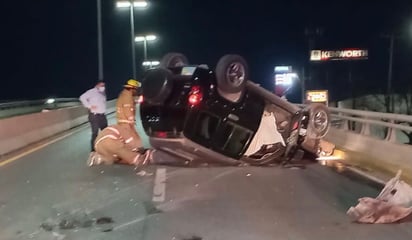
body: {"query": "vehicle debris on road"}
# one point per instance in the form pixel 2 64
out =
pixel 393 204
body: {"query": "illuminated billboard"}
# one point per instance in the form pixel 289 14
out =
pixel 317 96
pixel 284 75
pixel 285 78
pixel 347 54
pixel 283 69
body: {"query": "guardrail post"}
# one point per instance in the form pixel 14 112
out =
pixel 345 123
pixel 391 134
pixel 366 129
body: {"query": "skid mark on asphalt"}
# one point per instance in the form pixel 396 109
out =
pixel 124 225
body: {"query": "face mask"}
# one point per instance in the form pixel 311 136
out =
pixel 101 89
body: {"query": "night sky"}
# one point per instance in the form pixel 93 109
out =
pixel 50 47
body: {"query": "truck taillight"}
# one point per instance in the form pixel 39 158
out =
pixel 160 134
pixel 195 96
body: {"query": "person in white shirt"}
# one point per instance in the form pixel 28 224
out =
pixel 95 101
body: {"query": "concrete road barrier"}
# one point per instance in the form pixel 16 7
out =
pixel 373 154
pixel 20 131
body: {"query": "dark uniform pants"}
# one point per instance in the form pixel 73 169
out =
pixel 97 121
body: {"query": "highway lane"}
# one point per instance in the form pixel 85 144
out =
pixel 51 194
pixel 54 184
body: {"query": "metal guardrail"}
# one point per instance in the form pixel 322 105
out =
pixel 30 103
pixel 16 108
pixel 391 127
pixel 396 128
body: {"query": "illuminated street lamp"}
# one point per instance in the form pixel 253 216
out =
pixel 132 5
pixel 145 39
pixel 50 101
pixel 150 64
pixel 127 4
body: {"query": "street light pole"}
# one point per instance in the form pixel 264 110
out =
pixel 99 41
pixel 390 104
pixel 303 87
pixel 145 39
pixel 311 33
pixel 145 48
pixel 389 90
pixel 132 38
pixel 131 4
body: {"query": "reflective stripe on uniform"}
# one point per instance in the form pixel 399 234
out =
pixel 135 160
pixel 107 136
pixel 147 157
pixel 125 121
pixel 114 130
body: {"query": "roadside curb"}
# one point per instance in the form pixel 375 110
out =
pixel 370 168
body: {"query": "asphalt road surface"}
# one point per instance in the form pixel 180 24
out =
pixel 52 194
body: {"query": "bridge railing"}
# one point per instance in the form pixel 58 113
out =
pixel 16 108
pixel 391 127
pixel 376 141
pixel 50 102
pixel 396 128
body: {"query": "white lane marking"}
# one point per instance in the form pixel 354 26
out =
pixel 36 148
pixel 159 188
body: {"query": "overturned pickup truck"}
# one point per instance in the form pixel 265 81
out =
pixel 196 113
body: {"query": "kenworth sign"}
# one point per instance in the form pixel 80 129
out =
pixel 349 54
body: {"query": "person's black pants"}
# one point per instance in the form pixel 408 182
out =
pixel 97 121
